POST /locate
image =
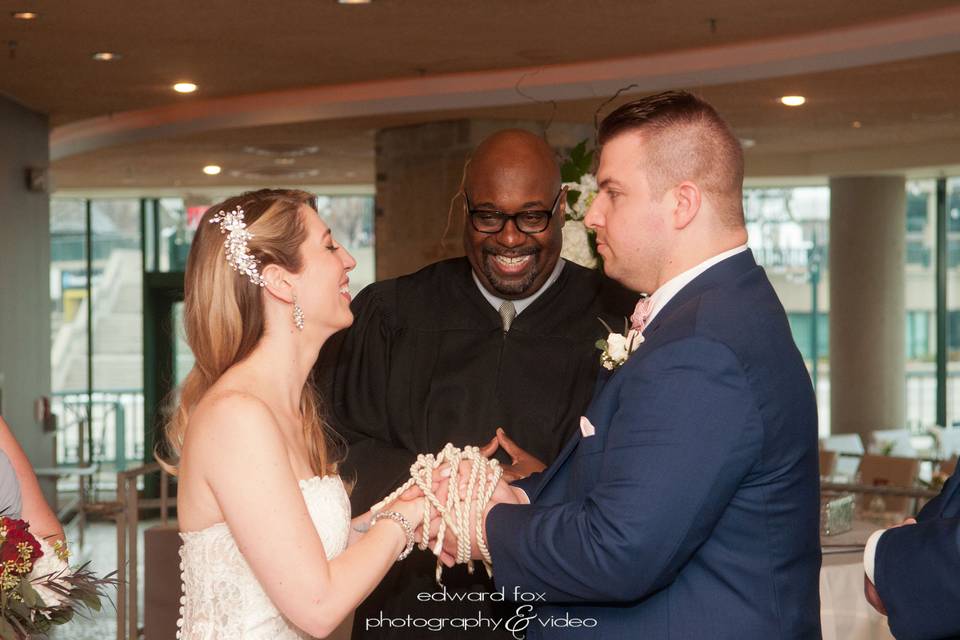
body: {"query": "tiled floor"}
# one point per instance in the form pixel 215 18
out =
pixel 101 550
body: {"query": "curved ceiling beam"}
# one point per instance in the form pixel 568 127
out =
pixel 873 43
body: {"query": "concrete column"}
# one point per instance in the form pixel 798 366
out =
pixel 418 171
pixel 24 278
pixel 867 308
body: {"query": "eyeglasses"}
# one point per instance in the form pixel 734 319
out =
pixel 492 221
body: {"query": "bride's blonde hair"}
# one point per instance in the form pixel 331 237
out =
pixel 224 315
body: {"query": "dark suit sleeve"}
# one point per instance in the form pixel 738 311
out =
pixel 684 435
pixel 916 570
pixel 360 405
pixel 529 484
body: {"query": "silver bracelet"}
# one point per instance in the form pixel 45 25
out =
pixel 404 523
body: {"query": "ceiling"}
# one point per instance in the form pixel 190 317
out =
pixel 240 48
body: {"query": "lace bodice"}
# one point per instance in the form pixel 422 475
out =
pixel 222 598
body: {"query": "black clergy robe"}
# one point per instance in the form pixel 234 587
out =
pixel 426 362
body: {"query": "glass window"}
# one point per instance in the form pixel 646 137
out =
pixel 171 231
pixel 103 386
pixel 803 333
pixel 69 345
pixel 182 356
pixel 117 332
pixel 953 302
pixel 920 302
pixel 106 313
pixel 351 220
pixel 920 330
pixel 177 224
pixel 789 234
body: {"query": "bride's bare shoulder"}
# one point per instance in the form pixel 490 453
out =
pixel 232 440
pixel 231 414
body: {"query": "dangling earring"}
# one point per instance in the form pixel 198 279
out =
pixel 297 314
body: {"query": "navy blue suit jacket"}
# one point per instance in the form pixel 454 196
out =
pixel 693 512
pixel 916 570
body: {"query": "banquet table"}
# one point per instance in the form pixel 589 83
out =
pixel 845 613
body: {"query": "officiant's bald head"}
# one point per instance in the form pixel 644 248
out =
pixel 510 172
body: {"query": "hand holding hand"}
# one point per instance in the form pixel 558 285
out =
pixel 503 494
pixel 522 463
pixel 467 515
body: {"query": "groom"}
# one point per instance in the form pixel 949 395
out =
pixel 688 505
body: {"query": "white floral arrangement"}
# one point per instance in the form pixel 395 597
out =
pixel 585 190
pixel 47 575
pixel 578 242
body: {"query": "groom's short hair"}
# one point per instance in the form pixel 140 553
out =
pixel 684 139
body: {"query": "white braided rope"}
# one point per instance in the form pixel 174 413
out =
pixel 456 512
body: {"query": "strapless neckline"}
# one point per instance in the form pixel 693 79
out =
pixel 305 485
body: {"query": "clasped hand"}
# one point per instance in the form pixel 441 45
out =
pixel 444 480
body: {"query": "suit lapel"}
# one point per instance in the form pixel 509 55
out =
pixel 723 272
pixel 559 462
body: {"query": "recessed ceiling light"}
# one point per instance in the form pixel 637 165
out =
pixel 856 124
pixel 748 143
pixel 212 169
pixel 25 15
pixel 793 101
pixel 184 87
pixel 106 56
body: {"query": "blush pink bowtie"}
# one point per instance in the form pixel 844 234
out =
pixel 641 314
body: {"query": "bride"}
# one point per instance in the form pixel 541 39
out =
pixel 265 520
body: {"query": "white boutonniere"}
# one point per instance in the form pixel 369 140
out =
pixel 617 348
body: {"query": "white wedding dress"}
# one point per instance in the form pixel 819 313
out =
pixel 222 598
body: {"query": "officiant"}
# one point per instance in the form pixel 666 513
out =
pixel 501 338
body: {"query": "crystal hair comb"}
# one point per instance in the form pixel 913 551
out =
pixel 238 254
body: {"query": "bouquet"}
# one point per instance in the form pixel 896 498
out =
pixel 38 589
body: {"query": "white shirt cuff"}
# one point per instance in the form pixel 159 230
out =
pixel 870 554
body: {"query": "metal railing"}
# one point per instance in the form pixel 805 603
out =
pixel 127 516
pixel 116 434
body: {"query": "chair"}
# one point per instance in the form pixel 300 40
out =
pixel 828 463
pixel 888 471
pixel 845 443
pixel 892 442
